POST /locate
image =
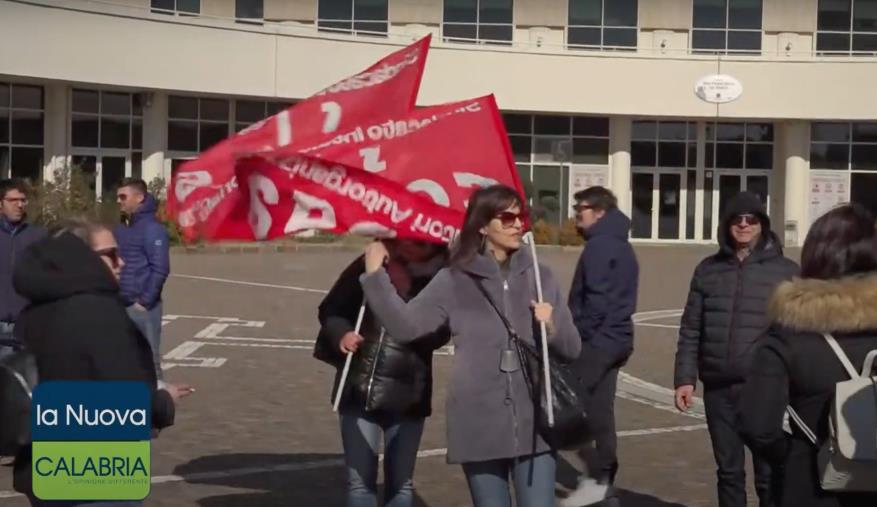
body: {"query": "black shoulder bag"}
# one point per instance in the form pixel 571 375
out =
pixel 571 429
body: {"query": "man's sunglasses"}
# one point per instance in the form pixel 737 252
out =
pixel 111 253
pixel 746 218
pixel 581 207
pixel 508 219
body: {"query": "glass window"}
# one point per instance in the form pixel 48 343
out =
pixel 182 7
pixel 590 151
pixel 552 125
pixel 27 163
pixel 847 27
pixel 249 111
pixel 27 127
pixel 834 15
pixel 865 132
pixel 830 132
pixel 829 156
pixel 84 131
pixel 517 123
pixel 183 107
pixel 863 189
pixel 710 13
pixel 461 11
pixel 249 9
pixel 844 146
pixel 4 95
pixel 27 97
pixel 864 157
pixel 602 23
pixel 671 154
pixel 182 136
pixel 213 109
pixel 643 153
pixel 359 15
pixel 732 26
pixel 482 20
pixel 4 126
pixel 664 144
pixel 86 101
pixel 115 132
pixel 590 126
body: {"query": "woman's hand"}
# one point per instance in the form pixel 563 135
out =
pixel 375 255
pixel 543 312
pixel 350 342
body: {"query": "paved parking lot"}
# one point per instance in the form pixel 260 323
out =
pixel 260 429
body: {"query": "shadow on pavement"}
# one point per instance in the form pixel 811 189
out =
pixel 272 479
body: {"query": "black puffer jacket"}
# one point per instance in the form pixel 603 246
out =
pixel 726 312
pixel 795 366
pixel 385 376
pixel 77 328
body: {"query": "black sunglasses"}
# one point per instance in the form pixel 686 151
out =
pixel 747 218
pixel 581 207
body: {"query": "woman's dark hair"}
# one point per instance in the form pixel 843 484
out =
pixel 842 242
pixel 484 205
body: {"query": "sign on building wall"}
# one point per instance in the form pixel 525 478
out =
pixel 585 176
pixel 827 190
pixel 718 88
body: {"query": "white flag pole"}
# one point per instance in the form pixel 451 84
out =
pixel 347 362
pixel 543 330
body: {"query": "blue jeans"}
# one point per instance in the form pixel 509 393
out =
pixel 149 323
pixel 361 436
pixel 533 477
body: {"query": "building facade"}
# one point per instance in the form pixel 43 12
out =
pixel 593 91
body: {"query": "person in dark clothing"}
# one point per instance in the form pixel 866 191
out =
pixel 724 318
pixel 795 366
pixel 143 244
pixel 76 325
pixel 389 387
pixel 15 236
pixel 602 301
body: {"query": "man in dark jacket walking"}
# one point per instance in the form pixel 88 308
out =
pixel 602 300
pixel 15 236
pixel 725 315
pixel 143 245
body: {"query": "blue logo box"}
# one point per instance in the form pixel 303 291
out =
pixel 91 411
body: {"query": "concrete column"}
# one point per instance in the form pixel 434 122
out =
pixel 796 156
pixel 154 136
pixel 619 160
pixel 56 126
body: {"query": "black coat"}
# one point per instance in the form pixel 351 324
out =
pixel 726 311
pixel 77 327
pixel 385 375
pixel 14 240
pixel 795 366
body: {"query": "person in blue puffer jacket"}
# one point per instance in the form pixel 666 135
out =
pixel 143 245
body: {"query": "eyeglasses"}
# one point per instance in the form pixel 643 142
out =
pixel 581 207
pixel 111 253
pixel 122 197
pixel 19 200
pixel 748 219
pixel 509 219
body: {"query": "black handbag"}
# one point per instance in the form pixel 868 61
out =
pixel 571 429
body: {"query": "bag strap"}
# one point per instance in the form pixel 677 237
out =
pixel 508 325
pixel 20 379
pixel 800 422
pixel 835 347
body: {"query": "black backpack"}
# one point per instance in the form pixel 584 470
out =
pixel 18 376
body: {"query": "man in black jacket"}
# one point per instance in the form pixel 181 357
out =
pixel 602 301
pixel 724 317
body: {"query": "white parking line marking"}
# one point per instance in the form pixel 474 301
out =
pixel 251 284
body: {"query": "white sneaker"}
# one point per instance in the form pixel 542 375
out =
pixel 588 492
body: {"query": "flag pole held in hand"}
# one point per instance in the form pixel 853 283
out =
pixel 543 331
pixel 347 362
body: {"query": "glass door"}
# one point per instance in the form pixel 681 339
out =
pixel 641 219
pixel 660 204
pixel 669 205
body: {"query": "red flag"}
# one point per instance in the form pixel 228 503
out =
pixel 307 193
pixel 205 189
pixel 443 151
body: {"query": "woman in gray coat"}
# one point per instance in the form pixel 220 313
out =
pixel 490 413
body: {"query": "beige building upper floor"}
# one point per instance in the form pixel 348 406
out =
pixel 288 54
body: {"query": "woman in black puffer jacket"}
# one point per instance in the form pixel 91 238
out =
pixel 389 386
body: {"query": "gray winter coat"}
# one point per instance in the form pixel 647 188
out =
pixel 490 414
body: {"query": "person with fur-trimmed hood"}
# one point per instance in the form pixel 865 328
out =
pixel 795 366
pixel 724 318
